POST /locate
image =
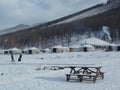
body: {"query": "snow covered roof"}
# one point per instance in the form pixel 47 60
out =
pixel 47 49
pixel 15 49
pixel 33 48
pixel 94 41
pixel 88 46
pixel 58 46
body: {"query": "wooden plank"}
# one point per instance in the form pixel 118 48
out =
pixel 91 77
pixel 69 75
pixel 81 77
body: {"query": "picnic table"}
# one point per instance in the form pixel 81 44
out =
pixel 85 73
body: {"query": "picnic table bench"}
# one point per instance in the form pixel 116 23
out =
pixel 85 73
pixel 81 77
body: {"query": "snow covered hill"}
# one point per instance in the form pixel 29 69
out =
pixel 97 9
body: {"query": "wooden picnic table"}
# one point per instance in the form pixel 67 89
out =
pixel 85 71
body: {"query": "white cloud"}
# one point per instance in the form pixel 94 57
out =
pixel 32 11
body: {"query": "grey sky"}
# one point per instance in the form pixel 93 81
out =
pixel 14 12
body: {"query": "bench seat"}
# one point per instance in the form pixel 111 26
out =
pixel 81 77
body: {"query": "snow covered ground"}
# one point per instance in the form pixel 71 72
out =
pixel 24 76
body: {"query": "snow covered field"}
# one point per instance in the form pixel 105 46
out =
pixel 24 76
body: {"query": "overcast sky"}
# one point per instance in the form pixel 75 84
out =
pixel 14 12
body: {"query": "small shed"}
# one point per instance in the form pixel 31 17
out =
pixel 15 51
pixel 33 50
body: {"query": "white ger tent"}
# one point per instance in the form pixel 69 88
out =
pixel 15 50
pixel 79 48
pixel 75 48
pixel 47 50
pixel 87 48
pixel 66 49
pixel 57 49
pixel 32 50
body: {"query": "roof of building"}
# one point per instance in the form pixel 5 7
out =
pixel 94 41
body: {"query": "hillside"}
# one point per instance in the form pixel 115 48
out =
pixel 86 23
pixel 14 29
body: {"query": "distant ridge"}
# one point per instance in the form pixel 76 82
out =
pixel 14 29
pixel 94 10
